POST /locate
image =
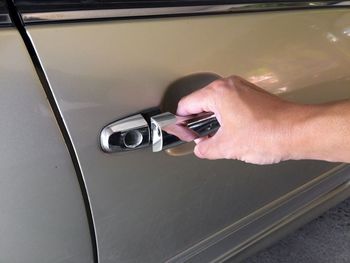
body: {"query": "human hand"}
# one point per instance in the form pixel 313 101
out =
pixel 255 125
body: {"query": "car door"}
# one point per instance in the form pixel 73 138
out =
pixel 106 60
pixel 42 213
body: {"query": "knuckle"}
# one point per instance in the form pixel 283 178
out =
pixel 180 106
pixel 181 102
pixel 234 80
pixel 219 86
pixel 183 105
pixel 202 150
pixel 184 101
pixel 219 83
pixel 198 152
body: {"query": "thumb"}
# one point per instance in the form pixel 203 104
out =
pixel 208 148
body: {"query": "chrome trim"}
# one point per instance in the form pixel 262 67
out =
pixel 166 130
pixel 157 124
pixel 136 126
pixel 166 11
pixel 169 130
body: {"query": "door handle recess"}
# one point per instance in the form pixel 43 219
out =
pixel 160 131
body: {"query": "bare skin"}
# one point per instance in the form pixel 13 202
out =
pixel 261 128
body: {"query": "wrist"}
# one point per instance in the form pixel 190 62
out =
pixel 299 125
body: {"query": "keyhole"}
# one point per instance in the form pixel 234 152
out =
pixel 132 139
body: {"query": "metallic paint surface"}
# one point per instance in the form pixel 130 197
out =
pixel 149 207
pixel 42 214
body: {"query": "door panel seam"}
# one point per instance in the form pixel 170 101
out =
pixel 17 21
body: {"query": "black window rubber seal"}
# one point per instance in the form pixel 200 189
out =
pixel 37 6
pixel 5 20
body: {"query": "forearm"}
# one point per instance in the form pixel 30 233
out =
pixel 321 132
pixel 261 128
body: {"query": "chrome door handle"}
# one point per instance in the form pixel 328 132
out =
pixel 161 131
pixel 169 130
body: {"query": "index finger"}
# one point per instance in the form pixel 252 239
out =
pixel 196 102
